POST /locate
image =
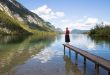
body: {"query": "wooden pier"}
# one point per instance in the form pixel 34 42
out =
pixel 99 61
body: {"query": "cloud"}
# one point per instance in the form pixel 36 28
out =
pixel 57 17
pixel 60 14
pixel 106 22
pixel 85 23
pixel 47 13
pixel 90 21
pixel 60 20
pixel 65 21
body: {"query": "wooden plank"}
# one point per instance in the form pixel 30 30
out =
pixel 96 59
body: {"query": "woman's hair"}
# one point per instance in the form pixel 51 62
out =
pixel 66 27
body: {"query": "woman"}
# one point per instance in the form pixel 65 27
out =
pixel 67 37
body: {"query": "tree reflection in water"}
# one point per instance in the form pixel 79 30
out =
pixel 15 50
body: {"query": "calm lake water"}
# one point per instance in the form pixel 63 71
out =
pixel 32 55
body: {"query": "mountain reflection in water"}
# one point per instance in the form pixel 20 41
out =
pixel 15 50
pixel 43 55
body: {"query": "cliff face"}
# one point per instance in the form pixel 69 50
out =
pixel 18 12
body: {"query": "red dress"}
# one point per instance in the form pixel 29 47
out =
pixel 67 37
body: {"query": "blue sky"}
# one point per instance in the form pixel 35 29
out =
pixel 76 14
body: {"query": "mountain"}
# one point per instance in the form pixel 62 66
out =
pixel 15 18
pixel 77 31
pixel 8 25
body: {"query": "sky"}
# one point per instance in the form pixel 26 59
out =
pixel 74 14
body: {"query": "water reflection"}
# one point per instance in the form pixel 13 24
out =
pixel 100 47
pixel 58 37
pixel 71 68
pixel 43 55
pixel 101 40
pixel 15 50
pixel 83 41
pixel 47 54
pixel 11 39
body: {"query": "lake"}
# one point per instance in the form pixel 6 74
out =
pixel 33 55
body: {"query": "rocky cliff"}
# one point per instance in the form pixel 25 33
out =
pixel 28 20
